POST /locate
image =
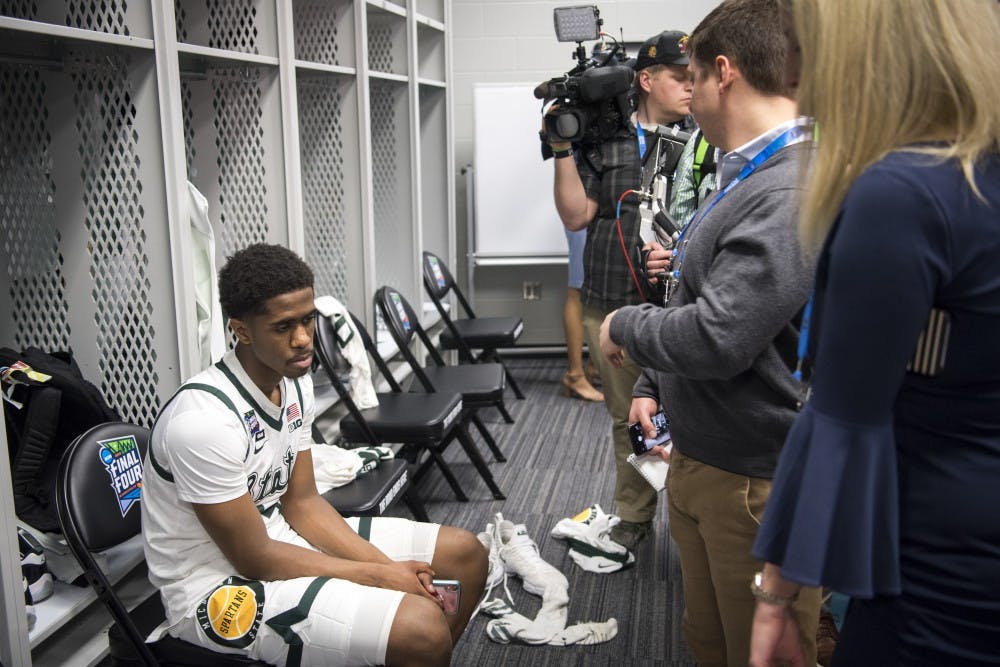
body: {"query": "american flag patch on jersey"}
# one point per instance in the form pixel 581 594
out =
pixel 293 411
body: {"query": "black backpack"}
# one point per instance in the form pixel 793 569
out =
pixel 52 413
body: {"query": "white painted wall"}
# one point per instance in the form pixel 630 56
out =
pixel 502 41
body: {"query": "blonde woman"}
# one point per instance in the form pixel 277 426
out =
pixel 888 487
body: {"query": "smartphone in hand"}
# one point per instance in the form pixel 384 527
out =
pixel 450 592
pixel 640 443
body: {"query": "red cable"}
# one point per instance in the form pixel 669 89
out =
pixel 621 237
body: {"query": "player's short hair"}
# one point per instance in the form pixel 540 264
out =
pixel 257 273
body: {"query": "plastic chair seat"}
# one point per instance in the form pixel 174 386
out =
pixel 481 385
pixel 484 332
pixel 371 492
pixel 405 418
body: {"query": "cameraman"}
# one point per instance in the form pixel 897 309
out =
pixel 587 192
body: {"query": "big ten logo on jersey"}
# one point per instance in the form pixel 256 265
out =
pixel 293 417
pixel 231 614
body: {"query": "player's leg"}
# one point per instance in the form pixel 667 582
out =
pixel 420 635
pixel 452 552
pixel 459 555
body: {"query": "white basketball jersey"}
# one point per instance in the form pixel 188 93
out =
pixel 217 438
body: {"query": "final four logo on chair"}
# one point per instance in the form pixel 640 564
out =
pixel 123 462
pixel 438 274
pixel 231 614
pixel 396 301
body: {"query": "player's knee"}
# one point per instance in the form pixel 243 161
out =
pixel 468 553
pixel 420 634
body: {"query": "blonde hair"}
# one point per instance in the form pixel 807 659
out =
pixel 880 75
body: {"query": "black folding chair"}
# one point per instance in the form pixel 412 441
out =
pixel 428 421
pixel 487 334
pixel 91 518
pixel 372 493
pixel 481 385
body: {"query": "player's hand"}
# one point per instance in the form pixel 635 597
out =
pixel 409 576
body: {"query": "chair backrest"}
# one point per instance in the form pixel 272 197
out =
pixel 403 324
pixel 98 489
pixel 439 281
pixel 373 353
pixel 337 369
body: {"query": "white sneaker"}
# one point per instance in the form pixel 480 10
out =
pixel 495 574
pixel 591 546
pixel 520 557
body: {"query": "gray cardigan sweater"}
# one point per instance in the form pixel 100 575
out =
pixel 719 357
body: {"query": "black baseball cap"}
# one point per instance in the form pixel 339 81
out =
pixel 667 48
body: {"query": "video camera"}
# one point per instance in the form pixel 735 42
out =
pixel 594 99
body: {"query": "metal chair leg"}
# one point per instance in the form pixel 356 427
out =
pixel 469 446
pixel 488 438
pixel 449 476
pixel 416 504
pixel 511 382
pixel 503 413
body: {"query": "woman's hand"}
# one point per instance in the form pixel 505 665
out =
pixel 775 637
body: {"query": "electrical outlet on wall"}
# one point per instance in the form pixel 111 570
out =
pixel 531 291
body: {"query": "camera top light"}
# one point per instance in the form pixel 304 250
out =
pixel 576 24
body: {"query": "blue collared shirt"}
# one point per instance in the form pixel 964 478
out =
pixel 733 161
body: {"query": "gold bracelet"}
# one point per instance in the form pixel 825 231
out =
pixel 768 597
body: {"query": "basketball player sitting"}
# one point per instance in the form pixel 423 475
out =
pixel 248 557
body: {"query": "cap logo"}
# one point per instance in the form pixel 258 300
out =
pixel 682 44
pixel 652 51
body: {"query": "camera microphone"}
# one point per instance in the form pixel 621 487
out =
pixel 542 90
pixel 605 82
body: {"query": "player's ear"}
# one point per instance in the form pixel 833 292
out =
pixel 240 329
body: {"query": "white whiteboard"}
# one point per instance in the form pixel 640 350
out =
pixel 514 211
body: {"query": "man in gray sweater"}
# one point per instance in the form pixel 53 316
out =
pixel 719 357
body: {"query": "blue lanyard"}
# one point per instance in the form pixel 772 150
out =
pixel 790 136
pixel 642 139
pixel 804 337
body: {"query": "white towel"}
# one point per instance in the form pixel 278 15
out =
pixel 208 313
pixel 362 389
pixel 335 466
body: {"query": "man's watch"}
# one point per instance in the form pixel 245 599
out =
pixel 558 153
pixel 769 598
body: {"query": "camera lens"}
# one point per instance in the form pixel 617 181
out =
pixel 567 126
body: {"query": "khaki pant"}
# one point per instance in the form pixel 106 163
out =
pixel 714 516
pixel 635 499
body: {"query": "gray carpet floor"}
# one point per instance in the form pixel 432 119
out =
pixel 559 461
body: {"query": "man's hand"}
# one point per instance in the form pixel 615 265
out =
pixel 642 411
pixel 658 262
pixel 609 348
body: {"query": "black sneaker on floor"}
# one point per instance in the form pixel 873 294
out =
pixel 33 566
pixel 629 534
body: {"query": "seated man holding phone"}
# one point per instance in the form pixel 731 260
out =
pixel 248 557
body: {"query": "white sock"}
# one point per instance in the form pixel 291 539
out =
pixel 591 632
pixel 515 628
